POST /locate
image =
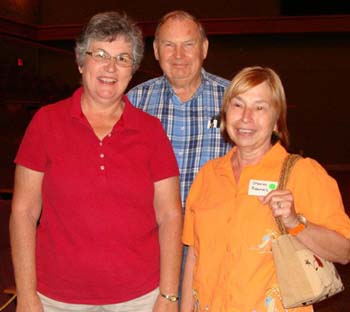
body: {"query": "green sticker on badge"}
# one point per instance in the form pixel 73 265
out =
pixel 272 186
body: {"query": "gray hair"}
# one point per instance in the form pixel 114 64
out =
pixel 108 26
pixel 180 15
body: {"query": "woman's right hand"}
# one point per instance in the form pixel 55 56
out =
pixel 29 304
pixel 25 213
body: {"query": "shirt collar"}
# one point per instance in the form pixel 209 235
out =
pixel 128 119
pixel 277 151
pixel 76 111
pixel 204 78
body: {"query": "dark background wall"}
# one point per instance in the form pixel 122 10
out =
pixel 81 10
pixel 26 11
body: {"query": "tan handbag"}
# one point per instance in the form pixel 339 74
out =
pixel 304 278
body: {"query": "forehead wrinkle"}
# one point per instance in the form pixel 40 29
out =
pixel 171 27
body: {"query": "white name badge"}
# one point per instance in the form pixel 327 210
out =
pixel 260 187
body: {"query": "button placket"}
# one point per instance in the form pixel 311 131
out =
pixel 102 156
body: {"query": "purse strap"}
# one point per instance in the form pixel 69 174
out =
pixel 287 166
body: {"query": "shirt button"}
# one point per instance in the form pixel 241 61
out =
pixel 102 167
pixel 102 155
pixel 182 128
pixel 101 143
pixel 109 134
pixel 181 153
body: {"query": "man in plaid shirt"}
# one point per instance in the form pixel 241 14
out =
pixel 186 99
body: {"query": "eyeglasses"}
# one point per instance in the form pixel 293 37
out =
pixel 101 56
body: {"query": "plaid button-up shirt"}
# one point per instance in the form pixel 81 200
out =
pixel 193 127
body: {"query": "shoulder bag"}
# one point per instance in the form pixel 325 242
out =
pixel 304 278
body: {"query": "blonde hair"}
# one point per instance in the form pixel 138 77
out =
pixel 248 78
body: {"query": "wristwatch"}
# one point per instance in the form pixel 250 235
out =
pixel 172 298
pixel 299 227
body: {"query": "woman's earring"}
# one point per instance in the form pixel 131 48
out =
pixel 276 133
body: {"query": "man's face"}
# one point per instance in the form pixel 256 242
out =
pixel 180 50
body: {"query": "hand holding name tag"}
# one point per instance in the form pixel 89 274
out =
pixel 281 203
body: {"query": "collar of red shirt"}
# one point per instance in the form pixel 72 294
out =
pixel 128 119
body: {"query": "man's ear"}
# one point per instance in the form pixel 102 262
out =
pixel 155 50
pixel 205 48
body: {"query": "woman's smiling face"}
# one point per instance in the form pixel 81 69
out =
pixel 106 82
pixel 251 118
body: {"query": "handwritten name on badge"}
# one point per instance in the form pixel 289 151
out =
pixel 260 187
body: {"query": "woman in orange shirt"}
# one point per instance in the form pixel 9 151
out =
pixel 229 220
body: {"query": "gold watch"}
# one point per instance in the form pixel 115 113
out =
pixel 172 298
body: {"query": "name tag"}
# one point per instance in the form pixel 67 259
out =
pixel 260 187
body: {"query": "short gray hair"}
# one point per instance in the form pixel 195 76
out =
pixel 180 15
pixel 107 26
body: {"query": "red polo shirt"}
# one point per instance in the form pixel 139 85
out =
pixel 97 242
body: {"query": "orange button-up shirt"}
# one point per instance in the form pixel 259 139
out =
pixel 231 232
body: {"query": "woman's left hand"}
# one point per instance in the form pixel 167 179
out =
pixel 322 241
pixel 281 203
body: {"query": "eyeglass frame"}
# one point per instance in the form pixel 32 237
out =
pixel 108 58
